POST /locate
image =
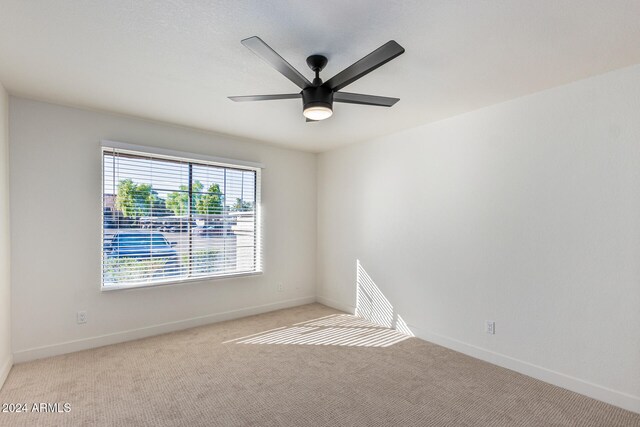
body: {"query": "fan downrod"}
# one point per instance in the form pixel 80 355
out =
pixel 317 63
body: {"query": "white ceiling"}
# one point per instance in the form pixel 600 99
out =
pixel 178 60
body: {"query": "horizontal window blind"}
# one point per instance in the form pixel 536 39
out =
pixel 170 219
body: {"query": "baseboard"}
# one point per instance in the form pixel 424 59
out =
pixel 134 334
pixel 335 304
pixel 617 398
pixel 4 370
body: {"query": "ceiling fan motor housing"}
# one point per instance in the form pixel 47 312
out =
pixel 318 96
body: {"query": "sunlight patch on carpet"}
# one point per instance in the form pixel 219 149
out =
pixel 337 329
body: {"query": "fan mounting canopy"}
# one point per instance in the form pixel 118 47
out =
pixel 317 62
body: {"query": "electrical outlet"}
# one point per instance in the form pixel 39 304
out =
pixel 490 327
pixel 280 287
pixel 81 317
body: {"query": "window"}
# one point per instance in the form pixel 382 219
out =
pixel 171 218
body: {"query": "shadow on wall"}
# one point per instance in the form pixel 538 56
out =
pixel 371 304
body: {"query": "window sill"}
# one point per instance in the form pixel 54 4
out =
pixel 178 282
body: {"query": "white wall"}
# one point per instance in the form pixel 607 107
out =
pixel 5 273
pixel 526 213
pixel 56 211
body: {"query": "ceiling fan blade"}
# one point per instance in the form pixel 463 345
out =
pixel 375 59
pixel 358 98
pixel 264 97
pixel 271 57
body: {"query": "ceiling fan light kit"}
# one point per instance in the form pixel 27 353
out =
pixel 317 113
pixel 318 97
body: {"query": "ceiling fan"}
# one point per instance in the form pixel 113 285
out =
pixel 318 96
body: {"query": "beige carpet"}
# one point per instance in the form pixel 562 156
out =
pixel 285 368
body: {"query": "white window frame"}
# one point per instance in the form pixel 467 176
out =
pixel 106 145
